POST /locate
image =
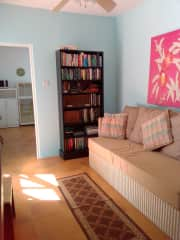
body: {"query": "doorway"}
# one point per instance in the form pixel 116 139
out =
pixel 17 90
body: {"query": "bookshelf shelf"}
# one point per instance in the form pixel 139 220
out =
pixel 74 154
pixel 92 136
pixel 80 76
pixel 81 93
pixel 80 107
pixel 81 67
pixel 87 80
pixel 79 124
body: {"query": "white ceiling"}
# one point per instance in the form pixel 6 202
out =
pixel 74 6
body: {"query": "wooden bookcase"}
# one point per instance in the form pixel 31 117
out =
pixel 80 76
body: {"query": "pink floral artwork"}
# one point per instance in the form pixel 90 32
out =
pixel 164 77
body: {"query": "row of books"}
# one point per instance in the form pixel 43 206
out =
pixel 75 144
pixel 92 100
pixel 81 74
pixel 86 115
pixel 89 115
pixel 81 60
pixel 79 87
pixel 95 99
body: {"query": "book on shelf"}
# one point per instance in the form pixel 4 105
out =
pixel 81 59
pixel 91 130
pixel 78 133
pixel 90 115
pixel 95 100
pixel 69 145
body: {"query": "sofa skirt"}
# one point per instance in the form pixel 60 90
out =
pixel 162 214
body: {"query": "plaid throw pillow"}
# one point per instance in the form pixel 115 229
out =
pixel 157 132
pixel 113 125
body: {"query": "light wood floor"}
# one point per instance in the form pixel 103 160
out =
pixel 33 180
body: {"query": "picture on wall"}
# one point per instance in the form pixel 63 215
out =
pixel 164 75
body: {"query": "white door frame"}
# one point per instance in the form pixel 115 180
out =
pixel 32 72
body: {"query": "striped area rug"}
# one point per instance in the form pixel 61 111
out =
pixel 98 215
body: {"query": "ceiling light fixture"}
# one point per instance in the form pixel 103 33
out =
pixel 85 3
pixel 107 5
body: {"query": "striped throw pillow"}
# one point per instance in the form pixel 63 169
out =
pixel 157 132
pixel 104 127
pixel 113 125
pixel 118 125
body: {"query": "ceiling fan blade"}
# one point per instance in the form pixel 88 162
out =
pixel 108 5
pixel 60 5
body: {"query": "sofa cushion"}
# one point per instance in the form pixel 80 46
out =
pixel 132 116
pixel 144 114
pixel 113 125
pixel 104 146
pixel 157 132
pixel 173 149
pixel 153 170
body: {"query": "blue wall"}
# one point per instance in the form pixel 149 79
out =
pixel 47 31
pixel 12 58
pixel 134 31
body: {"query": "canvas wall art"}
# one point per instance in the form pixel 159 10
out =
pixel 164 76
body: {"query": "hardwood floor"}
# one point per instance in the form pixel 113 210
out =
pixel 41 211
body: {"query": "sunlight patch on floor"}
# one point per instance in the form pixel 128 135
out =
pixel 50 178
pixel 6 175
pixel 42 194
pixel 23 176
pixel 39 191
pixel 27 183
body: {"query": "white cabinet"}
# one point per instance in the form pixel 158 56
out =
pixel 9 116
pixel 3 117
pixel 12 113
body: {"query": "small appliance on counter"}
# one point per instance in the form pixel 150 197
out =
pixel 3 83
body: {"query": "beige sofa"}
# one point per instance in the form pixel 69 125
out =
pixel 150 180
